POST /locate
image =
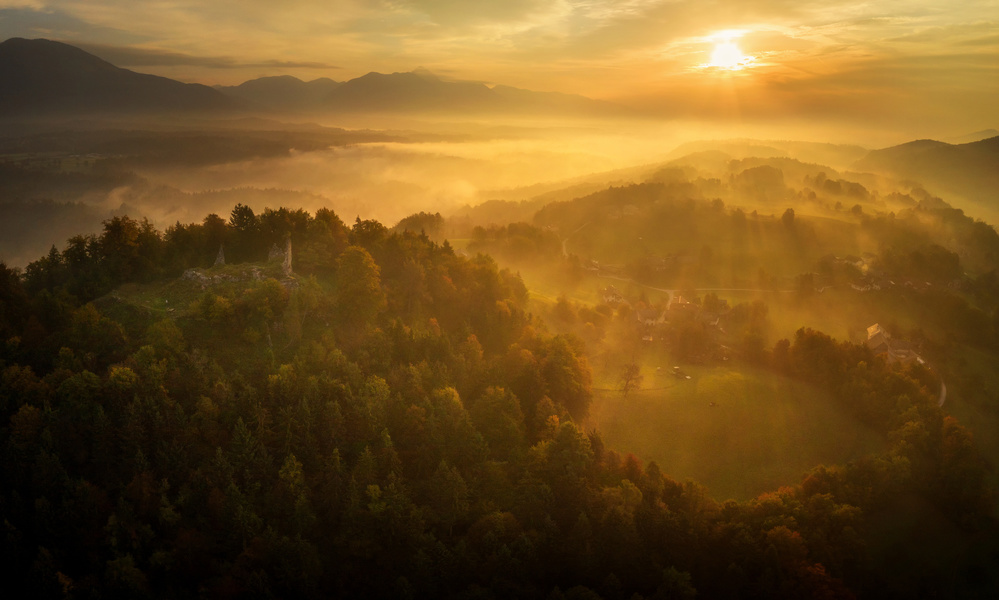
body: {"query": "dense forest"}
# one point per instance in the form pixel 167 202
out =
pixel 282 405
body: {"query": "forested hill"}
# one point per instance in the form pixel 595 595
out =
pixel 387 420
pixel 968 170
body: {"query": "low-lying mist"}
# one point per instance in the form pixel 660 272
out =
pixel 388 181
pixel 385 169
pixel 185 175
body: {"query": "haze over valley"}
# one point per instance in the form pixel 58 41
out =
pixel 533 299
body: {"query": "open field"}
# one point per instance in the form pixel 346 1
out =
pixel 763 430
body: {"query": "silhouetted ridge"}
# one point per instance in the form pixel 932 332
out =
pixel 411 91
pixel 975 136
pixel 42 76
pixel 282 92
pixel 918 155
pixel 971 170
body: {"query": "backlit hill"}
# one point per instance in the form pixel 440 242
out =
pixel 44 77
pixel 970 170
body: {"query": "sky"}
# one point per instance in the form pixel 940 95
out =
pixel 918 63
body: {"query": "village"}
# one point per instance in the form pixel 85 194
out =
pixel 708 329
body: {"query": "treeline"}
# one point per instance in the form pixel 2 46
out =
pixel 517 242
pixel 128 250
pixel 928 223
pixel 932 261
pixel 663 232
pixel 397 425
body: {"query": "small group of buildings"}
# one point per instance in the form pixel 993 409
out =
pixel 866 284
pixel 653 321
pixel 882 343
pixel 613 296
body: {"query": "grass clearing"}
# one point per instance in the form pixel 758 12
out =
pixel 762 432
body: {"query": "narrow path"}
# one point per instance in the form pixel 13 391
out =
pixel 565 252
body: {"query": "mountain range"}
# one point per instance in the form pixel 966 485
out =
pixel 282 92
pixel 415 91
pixel 42 77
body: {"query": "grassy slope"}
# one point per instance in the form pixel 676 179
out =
pixel 764 430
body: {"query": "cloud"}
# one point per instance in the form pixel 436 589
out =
pixel 611 49
pixel 32 22
pixel 21 4
pixel 464 12
pixel 962 34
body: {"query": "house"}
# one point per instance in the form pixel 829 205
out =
pixel 611 295
pixel 866 284
pixel 895 350
pixel 650 316
pixel 877 339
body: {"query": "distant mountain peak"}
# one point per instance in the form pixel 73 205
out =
pixel 47 77
pixel 43 77
pixel 44 52
pixel 275 78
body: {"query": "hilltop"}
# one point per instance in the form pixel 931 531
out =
pixel 41 77
pixel 970 170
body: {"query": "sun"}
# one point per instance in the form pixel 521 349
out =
pixel 727 54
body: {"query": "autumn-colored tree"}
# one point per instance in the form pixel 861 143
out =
pixel 567 376
pixel 359 294
pixel 497 416
pixel 177 460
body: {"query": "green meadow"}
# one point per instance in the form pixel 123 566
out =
pixel 740 432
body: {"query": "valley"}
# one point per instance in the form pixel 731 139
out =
pixel 409 335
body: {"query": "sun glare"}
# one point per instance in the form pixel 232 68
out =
pixel 727 54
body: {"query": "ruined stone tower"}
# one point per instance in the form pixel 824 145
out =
pixel 286 264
